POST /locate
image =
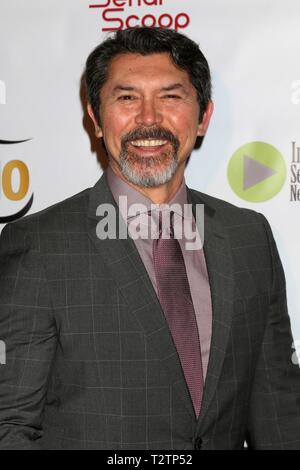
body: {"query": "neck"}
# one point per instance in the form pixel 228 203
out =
pixel 160 194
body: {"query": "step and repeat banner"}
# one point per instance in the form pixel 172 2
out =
pixel 251 154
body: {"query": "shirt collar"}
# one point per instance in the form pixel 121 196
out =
pixel 119 188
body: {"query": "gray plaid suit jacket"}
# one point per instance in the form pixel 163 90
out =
pixel 90 362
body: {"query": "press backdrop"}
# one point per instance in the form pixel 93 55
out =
pixel 47 151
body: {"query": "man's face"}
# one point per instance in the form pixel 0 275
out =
pixel 149 115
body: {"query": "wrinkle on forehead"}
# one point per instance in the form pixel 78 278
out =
pixel 133 71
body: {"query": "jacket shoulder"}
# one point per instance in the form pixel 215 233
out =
pixel 227 212
pixel 61 216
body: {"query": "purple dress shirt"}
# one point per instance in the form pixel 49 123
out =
pixel 194 259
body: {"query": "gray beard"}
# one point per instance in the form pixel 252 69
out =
pixel 146 174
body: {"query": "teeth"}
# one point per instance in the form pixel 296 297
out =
pixel 148 143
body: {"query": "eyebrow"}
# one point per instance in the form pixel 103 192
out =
pixel 173 86
pixel 118 88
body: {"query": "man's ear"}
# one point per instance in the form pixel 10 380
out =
pixel 98 130
pixel 202 127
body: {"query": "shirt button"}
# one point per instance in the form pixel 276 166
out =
pixel 198 443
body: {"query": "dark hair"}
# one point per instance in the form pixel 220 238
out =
pixel 184 52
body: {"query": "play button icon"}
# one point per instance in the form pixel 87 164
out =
pixel 256 172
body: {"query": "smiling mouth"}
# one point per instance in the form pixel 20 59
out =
pixel 148 143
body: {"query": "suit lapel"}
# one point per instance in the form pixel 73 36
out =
pixel 131 277
pixel 218 256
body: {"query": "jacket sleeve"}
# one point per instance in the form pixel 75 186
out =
pixel 274 412
pixel 28 338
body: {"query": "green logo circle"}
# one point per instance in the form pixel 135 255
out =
pixel 256 172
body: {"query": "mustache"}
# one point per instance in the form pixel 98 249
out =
pixel 155 133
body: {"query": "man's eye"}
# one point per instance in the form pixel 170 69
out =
pixel 172 97
pixel 126 97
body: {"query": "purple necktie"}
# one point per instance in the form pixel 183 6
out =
pixel 176 301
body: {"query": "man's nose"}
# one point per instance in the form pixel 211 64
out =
pixel 149 113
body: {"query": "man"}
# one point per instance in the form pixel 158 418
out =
pixel 138 342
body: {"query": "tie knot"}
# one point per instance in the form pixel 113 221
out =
pixel 165 223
